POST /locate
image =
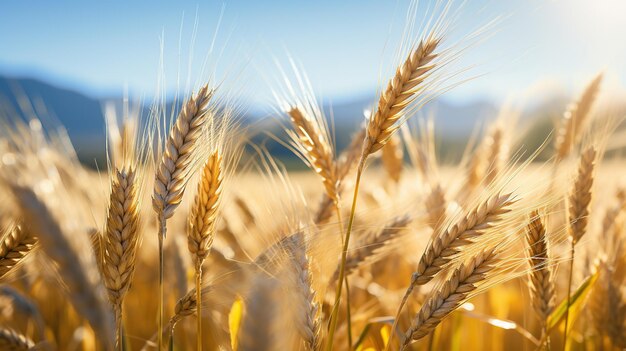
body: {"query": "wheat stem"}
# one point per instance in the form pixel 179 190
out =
pixel 344 255
pixel 162 232
pixel 569 291
pixel 198 308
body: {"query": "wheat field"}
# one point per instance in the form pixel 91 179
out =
pixel 194 237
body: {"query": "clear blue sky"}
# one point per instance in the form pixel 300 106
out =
pixel 99 47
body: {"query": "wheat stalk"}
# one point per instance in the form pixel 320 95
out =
pixel 202 221
pixel 15 245
pixel 174 169
pixel 11 340
pixel 540 282
pixel 121 241
pixel 573 122
pixel 448 297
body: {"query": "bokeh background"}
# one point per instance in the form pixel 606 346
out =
pixel 63 60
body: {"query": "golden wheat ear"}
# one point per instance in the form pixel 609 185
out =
pixel 121 240
pixel 393 158
pixel 450 295
pixel 178 158
pixel 575 119
pixel 310 140
pixel 404 88
pixel 15 246
pixel 205 208
pixel 308 313
pixel 541 281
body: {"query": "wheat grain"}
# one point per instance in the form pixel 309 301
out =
pixel 15 245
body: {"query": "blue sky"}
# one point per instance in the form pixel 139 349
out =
pixel 101 47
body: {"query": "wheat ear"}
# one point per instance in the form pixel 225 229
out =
pixel 496 155
pixel 308 312
pixel 454 292
pixel 393 158
pixel 121 241
pixel 174 169
pixel 202 222
pixel 401 91
pixel 579 200
pixel 11 340
pixel 177 159
pixel 315 147
pixel 436 207
pixel 574 119
pixel 540 282
pixel 14 247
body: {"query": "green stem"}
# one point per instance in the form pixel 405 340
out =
pixel 569 292
pixel 199 305
pixel 342 266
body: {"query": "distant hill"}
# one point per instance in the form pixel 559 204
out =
pixel 82 115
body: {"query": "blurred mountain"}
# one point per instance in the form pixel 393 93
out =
pixel 82 115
